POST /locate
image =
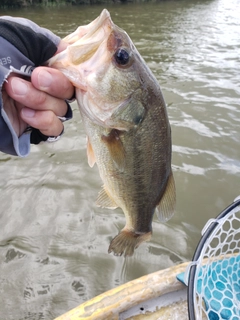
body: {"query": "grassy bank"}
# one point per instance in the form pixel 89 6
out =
pixel 27 3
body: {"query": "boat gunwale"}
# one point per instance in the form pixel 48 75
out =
pixel 110 304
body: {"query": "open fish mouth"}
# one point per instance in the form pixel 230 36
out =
pixel 82 46
pixel 88 38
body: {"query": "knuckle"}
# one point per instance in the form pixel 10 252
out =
pixel 42 99
pixel 49 119
pixel 45 120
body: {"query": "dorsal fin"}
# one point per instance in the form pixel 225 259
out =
pixel 167 205
pixel 90 154
pixel 104 200
pixel 116 148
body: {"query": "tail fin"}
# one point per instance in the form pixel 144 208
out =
pixel 126 241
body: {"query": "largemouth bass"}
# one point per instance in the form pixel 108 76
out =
pixel 127 126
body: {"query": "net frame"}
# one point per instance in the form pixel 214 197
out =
pixel 204 257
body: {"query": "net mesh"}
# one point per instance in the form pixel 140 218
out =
pixel 217 277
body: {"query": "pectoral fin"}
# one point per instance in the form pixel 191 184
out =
pixel 116 148
pixel 90 154
pixel 167 205
pixel 104 200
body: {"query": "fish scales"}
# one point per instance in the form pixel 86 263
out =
pixel 127 126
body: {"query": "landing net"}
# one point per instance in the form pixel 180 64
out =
pixel 214 276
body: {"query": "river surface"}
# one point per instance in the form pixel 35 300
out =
pixel 53 239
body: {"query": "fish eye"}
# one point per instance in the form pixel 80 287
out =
pixel 122 57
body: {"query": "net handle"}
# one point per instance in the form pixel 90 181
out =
pixel 207 231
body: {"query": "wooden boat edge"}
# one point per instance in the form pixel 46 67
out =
pixel 110 304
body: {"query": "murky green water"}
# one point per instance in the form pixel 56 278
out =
pixel 53 240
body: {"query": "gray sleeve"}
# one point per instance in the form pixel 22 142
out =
pixel 35 28
pixel 9 142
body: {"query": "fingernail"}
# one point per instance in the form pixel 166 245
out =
pixel 19 87
pixel 44 79
pixel 28 113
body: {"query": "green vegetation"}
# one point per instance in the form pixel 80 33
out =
pixel 26 3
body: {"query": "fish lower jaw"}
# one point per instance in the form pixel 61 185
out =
pixel 126 241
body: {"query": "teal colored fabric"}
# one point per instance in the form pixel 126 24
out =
pixel 220 282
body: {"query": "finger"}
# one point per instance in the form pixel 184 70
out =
pixel 45 121
pixel 53 82
pixel 25 93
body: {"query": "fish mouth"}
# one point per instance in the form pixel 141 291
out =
pixel 86 40
pixel 78 60
pixel 88 30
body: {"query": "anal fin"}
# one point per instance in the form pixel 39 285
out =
pixel 105 201
pixel 167 205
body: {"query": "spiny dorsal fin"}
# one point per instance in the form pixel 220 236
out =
pixel 167 205
pixel 104 200
pixel 116 148
pixel 90 154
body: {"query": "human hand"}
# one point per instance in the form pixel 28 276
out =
pixel 37 103
pixel 24 45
